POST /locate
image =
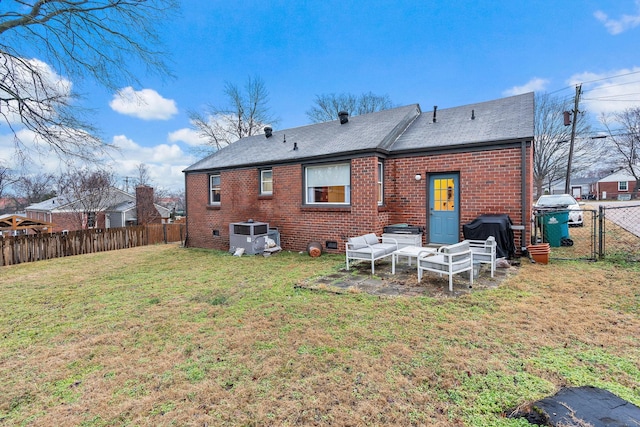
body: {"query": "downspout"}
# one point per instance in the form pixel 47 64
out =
pixel 186 212
pixel 523 191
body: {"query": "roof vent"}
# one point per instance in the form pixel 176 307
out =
pixel 344 117
pixel 473 114
pixel 435 107
pixel 268 131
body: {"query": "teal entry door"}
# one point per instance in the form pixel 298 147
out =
pixel 444 211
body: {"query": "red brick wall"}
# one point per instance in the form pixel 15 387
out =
pixel 70 221
pixel 611 188
pixel 489 183
pixel 146 212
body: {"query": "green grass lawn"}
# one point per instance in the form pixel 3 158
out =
pixel 164 335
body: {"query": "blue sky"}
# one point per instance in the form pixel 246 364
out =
pixel 431 52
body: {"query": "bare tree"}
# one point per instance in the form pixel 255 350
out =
pixel 87 193
pixel 144 177
pixel 6 178
pixel 35 188
pixel 623 130
pixel 177 202
pixel 327 106
pixel 246 113
pixel 44 42
pixel 552 138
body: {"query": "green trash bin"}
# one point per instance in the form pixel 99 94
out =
pixel 555 227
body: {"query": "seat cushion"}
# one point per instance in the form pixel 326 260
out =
pixel 435 262
pixel 371 239
pixel 438 262
pixel 458 247
pixel 482 257
pixel 387 247
pixel 366 252
pixel 357 242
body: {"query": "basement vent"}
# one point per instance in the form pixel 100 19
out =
pixel 331 244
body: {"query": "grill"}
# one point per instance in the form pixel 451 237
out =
pixel 498 226
pixel 402 229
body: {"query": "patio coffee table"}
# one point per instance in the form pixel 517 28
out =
pixel 409 252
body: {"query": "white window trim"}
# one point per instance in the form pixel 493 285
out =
pixel 347 202
pixel 380 183
pixel 626 186
pixel 262 181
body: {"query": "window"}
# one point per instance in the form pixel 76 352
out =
pixel 89 219
pixel 380 183
pixel 328 184
pixel 443 194
pixel 214 189
pixel 266 181
pixel 623 186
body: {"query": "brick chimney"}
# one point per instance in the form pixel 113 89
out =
pixel 146 212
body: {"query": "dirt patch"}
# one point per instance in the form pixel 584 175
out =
pixel 405 282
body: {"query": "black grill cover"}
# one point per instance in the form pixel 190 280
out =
pixel 498 226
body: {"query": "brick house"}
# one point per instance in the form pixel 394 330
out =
pixel 619 185
pixel 329 181
pixel 112 208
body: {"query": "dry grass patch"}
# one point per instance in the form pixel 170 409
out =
pixel 169 336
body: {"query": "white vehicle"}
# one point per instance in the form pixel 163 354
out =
pixel 561 201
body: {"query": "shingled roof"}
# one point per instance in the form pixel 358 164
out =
pixel 397 130
pixel 502 120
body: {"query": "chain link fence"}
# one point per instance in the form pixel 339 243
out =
pixel 597 231
pixel 571 234
pixel 619 228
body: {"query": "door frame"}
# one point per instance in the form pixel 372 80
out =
pixel 429 199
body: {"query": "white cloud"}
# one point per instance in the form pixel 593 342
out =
pixel 40 158
pixel 39 86
pixel 188 136
pixel 145 104
pixel 536 84
pixel 617 26
pixel 609 92
pixel 165 162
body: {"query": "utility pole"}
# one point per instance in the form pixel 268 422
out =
pixel 567 184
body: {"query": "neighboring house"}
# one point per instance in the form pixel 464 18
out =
pixel 581 188
pixel 617 186
pixel 114 208
pixel 330 181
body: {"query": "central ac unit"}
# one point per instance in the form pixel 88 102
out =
pixel 251 236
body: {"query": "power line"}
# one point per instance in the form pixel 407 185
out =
pixel 598 80
pixel 611 100
pixel 615 96
pixel 612 77
pixel 613 85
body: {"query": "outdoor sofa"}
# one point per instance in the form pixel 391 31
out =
pixel 369 247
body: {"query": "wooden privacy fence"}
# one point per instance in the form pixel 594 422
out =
pixel 29 248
